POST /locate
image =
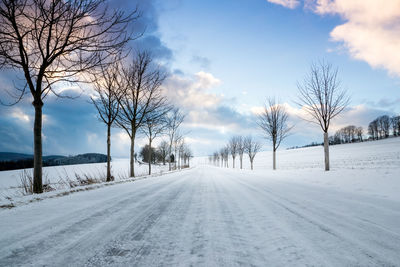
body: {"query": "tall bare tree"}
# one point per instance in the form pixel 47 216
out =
pixel 252 147
pixel 106 102
pixel 141 96
pixel 154 125
pixel 273 122
pixel 174 119
pixel 322 97
pixel 52 41
pixel 233 148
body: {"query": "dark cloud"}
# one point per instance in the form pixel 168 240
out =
pixel 147 23
pixel 71 126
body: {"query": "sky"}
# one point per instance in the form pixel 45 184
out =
pixel 225 58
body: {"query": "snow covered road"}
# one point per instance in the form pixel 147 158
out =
pixel 205 216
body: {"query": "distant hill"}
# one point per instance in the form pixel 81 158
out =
pixel 10 156
pixel 13 161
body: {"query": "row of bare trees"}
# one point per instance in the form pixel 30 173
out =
pixel 321 98
pixel 131 98
pixel 237 146
pixel 54 42
pixel 50 42
pixel 381 126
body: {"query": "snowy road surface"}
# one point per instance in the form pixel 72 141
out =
pixel 206 216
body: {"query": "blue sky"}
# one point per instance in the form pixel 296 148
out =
pixel 226 57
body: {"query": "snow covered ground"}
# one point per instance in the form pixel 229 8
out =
pixel 11 180
pixel 211 216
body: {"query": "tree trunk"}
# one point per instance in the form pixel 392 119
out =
pixel 326 151
pixel 233 158
pixel 132 160
pixel 169 157
pixel 149 158
pixel 241 162
pixel 251 163
pixel 274 159
pixel 37 148
pixel 108 152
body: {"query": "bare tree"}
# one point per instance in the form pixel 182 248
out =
pixel 396 125
pixel 241 149
pixel 252 147
pixel 187 154
pixel 154 125
pixel 174 119
pixel 106 102
pixel 322 97
pixel 222 156
pixel 163 149
pixel 273 122
pixel 54 41
pixel 233 148
pixel 141 96
pixel 179 139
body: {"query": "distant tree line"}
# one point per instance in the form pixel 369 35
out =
pixel 381 127
pixel 237 146
pixel 348 134
pixel 53 161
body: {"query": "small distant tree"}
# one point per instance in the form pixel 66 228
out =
pixel 241 149
pixel 396 125
pixel 222 156
pixel 322 97
pixel 273 122
pixel 175 118
pixel 384 123
pixel 373 130
pixel 147 154
pixel 155 125
pixel 226 151
pixel 233 148
pixel 360 132
pixel 252 147
pixel 163 149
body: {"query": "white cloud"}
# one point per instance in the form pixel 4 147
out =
pixel 18 114
pixel 370 32
pixel 192 91
pixel 286 3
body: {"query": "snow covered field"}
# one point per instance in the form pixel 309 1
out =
pixel 210 216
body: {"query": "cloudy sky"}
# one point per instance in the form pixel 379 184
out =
pixel 225 58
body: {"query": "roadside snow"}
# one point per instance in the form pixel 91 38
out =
pixel 10 180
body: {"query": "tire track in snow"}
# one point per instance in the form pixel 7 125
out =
pixel 78 227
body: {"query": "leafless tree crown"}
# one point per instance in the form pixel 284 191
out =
pixel 321 94
pixel 142 93
pixel 273 122
pixel 56 41
pixel 252 147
